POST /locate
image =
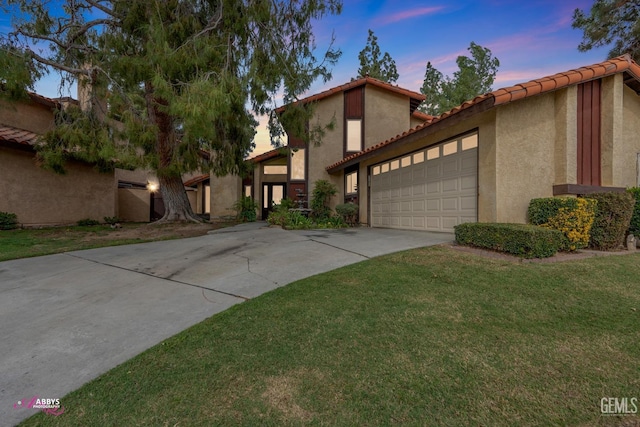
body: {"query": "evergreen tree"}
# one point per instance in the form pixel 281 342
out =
pixel 168 80
pixel 373 65
pixel 474 77
pixel 609 22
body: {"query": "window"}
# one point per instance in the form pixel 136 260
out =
pixel 469 142
pixel 384 168
pixel 406 161
pixel 395 164
pixel 354 135
pixel 418 157
pixel 298 164
pixel 450 148
pixel 275 169
pixel 433 153
pixel 376 170
pixel 351 183
pixel 247 191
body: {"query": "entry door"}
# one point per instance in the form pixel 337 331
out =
pixel 272 194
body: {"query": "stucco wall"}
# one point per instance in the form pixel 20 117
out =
pixel 566 136
pixel 525 144
pixel 386 115
pixel 628 174
pixel 225 191
pixel 484 123
pixel 612 147
pixel 332 147
pixel 40 197
pixel 133 204
pixel 29 116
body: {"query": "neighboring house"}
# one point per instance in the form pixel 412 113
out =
pixel 571 133
pixel 40 197
pixel 37 196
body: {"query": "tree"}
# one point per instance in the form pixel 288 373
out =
pixel 372 65
pixel 609 22
pixel 168 81
pixel 474 77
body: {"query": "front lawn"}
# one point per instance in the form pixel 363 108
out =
pixel 424 337
pixel 30 242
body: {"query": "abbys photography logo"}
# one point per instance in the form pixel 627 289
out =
pixel 619 406
pixel 46 405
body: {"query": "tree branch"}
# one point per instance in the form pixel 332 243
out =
pixel 57 65
pixel 102 8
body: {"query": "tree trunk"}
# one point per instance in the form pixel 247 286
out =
pixel 176 203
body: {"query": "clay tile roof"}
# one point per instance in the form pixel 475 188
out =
pixel 196 180
pixel 418 97
pixel 421 116
pixel 502 96
pixel 19 136
pixel 277 152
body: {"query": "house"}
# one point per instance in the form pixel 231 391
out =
pixel 571 133
pixel 365 111
pixel 37 196
pixel 40 197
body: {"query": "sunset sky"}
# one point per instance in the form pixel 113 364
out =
pixel 531 39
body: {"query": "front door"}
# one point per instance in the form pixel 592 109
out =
pixel 272 194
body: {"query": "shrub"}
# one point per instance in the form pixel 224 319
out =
pixel 572 216
pixel 290 220
pixel 8 221
pixel 524 240
pixel 111 220
pixel 634 227
pixel 246 208
pixel 320 197
pixel 348 212
pixel 88 222
pixel 613 216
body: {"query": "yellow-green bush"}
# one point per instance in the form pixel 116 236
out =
pixel 572 216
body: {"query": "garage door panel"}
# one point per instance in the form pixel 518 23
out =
pixel 449 185
pixel 433 194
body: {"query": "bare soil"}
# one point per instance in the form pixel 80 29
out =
pixel 158 232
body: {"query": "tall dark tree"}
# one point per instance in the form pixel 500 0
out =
pixel 474 77
pixel 376 65
pixel 611 22
pixel 166 79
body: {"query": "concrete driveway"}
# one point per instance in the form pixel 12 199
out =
pixel 65 319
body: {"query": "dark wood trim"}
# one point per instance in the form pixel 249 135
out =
pixel 588 138
pixel 578 189
pixel 447 122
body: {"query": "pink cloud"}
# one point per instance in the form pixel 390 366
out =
pixel 408 14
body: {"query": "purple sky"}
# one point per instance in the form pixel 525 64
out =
pixel 531 39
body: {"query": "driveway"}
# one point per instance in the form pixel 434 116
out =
pixel 67 318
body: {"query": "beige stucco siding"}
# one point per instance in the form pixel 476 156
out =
pixel 566 136
pixel 627 175
pixel 612 147
pixel 331 149
pixel 30 116
pixel 484 124
pixel 41 197
pixel 225 192
pixel 525 143
pixel 134 204
pixel 386 115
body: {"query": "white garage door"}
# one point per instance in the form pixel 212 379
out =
pixel 433 189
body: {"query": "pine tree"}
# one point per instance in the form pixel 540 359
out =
pixel 168 80
pixel 373 65
pixel 474 77
pixel 609 22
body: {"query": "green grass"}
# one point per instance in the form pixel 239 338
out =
pixel 25 243
pixel 424 337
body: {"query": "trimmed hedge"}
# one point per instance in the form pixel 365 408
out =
pixel 524 240
pixel 8 221
pixel 613 216
pixel 572 216
pixel 634 227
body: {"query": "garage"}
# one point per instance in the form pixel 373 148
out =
pixel 432 189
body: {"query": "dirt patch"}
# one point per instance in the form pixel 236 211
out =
pixel 281 394
pixel 159 232
pixel 559 257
